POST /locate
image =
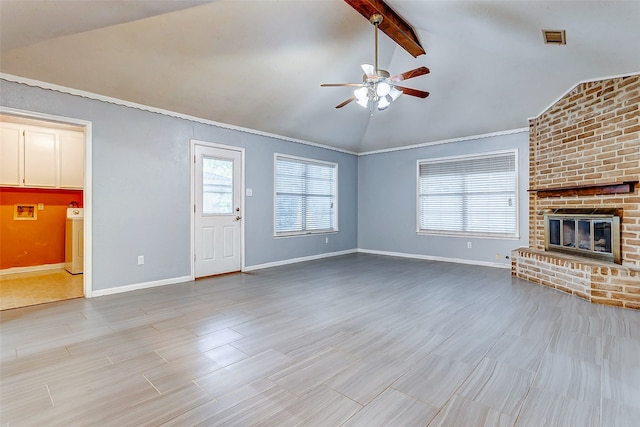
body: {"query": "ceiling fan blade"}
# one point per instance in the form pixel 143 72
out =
pixel 413 92
pixel 369 71
pixel 341 84
pixel 343 103
pixel 420 71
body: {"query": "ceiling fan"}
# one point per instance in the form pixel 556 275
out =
pixel 378 89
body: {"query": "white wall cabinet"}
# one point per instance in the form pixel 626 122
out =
pixel 40 167
pixel 10 155
pixel 32 156
pixel 71 159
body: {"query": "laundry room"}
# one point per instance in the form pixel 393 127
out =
pixel 41 212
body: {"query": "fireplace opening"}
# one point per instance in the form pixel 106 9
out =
pixel 594 235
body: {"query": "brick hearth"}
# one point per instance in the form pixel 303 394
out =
pixel 589 137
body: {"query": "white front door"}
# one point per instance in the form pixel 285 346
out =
pixel 218 215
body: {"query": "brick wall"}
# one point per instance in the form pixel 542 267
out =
pixel 591 136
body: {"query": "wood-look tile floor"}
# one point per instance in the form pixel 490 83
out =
pixel 357 340
pixel 39 287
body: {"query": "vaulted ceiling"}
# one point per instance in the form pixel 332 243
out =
pixel 258 64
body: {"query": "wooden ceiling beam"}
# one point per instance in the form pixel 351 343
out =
pixel 392 24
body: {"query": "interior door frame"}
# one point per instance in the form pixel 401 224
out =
pixel 87 191
pixel 192 199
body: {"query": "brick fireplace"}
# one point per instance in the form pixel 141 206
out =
pixel 584 154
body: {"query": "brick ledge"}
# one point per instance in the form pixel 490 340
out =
pixel 592 262
pixel 596 281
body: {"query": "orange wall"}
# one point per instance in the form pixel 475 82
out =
pixel 37 242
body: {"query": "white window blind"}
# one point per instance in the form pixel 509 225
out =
pixel 471 195
pixel 305 199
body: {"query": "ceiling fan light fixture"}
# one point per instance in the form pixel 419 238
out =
pixel 369 70
pixel 383 103
pixel 383 88
pixel 364 102
pixel 361 93
pixel 394 93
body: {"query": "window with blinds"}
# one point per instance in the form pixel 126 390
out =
pixel 470 195
pixel 305 196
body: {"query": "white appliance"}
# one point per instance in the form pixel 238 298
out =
pixel 74 241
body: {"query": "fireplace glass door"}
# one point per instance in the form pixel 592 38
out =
pixel 602 236
pixel 582 236
pixel 569 233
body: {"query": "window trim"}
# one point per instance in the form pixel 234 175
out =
pixel 489 154
pixel 335 165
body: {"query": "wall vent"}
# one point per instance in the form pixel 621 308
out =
pixel 554 36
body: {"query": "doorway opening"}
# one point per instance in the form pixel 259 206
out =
pixel 45 168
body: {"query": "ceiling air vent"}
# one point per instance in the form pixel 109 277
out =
pixel 554 36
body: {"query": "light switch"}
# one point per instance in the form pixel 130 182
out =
pixel 249 192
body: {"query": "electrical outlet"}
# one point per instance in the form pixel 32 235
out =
pixel 468 245
pixel 40 206
pixel 140 259
pixel 497 256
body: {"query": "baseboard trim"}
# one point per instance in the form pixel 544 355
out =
pixel 31 268
pixel 297 260
pixel 436 258
pixel 138 286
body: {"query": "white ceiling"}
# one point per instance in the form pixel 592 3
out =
pixel 259 64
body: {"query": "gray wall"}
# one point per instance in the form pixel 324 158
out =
pixel 141 188
pixel 387 202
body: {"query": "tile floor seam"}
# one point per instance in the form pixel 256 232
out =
pixel 213 399
pixel 601 383
pixel 363 405
pixel 154 387
pixel 535 375
pixel 53 404
pixel 478 364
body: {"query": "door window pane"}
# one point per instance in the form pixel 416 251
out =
pixel 217 186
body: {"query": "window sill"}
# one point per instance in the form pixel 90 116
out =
pixel 304 233
pixel 469 235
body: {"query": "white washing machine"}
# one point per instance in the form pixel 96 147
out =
pixel 74 241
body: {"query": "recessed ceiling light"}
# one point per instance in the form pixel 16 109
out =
pixel 554 36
